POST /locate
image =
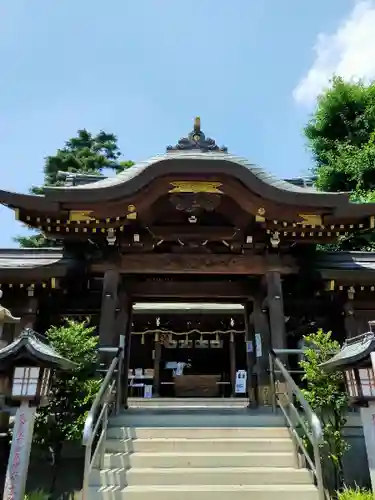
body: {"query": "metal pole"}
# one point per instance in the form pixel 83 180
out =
pixel 272 383
pixel 19 456
pixel 120 368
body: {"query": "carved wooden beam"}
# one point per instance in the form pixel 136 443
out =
pixel 189 290
pixel 193 232
pixel 199 264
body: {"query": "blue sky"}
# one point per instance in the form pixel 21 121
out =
pixel 250 69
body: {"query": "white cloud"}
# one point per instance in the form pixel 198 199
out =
pixel 349 53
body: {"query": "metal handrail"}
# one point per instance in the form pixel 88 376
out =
pixel 313 429
pixel 98 417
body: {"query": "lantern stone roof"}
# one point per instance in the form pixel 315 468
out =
pixel 29 345
pixel 353 351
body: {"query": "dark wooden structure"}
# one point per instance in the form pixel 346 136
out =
pixel 193 224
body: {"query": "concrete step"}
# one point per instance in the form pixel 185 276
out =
pixel 217 445
pixel 197 417
pixel 206 492
pixel 200 476
pixel 198 459
pixel 174 403
pixel 193 432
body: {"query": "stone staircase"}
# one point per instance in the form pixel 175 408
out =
pixel 199 454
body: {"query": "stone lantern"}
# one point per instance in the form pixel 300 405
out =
pixel 28 364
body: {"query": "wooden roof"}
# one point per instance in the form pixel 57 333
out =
pixel 38 263
pixel 194 157
pixel 189 164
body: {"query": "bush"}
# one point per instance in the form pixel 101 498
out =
pixel 37 495
pixel 326 395
pixel 72 392
pixel 355 494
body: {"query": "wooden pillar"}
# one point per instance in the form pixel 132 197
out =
pixel 107 333
pixel 121 319
pixel 127 349
pixel 276 310
pixel 252 388
pixel 157 358
pixel 261 328
pixel 28 316
pixel 350 321
pixel 232 361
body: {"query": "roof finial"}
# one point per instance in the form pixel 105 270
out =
pixel 197 140
pixel 197 124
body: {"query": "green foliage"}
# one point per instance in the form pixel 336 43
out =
pixel 345 116
pixel 37 495
pixel 326 395
pixel 36 241
pixel 355 494
pixel 86 154
pixel 72 393
pixel 341 136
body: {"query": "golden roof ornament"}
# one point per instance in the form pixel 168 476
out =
pixel 196 140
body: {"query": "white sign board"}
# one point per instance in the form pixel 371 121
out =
pixel 258 345
pixel 147 392
pixel 241 382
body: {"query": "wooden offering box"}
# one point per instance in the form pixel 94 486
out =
pixel 204 386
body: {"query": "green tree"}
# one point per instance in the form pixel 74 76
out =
pixel 86 154
pixel 326 395
pixel 341 126
pixel 341 137
pixel 72 393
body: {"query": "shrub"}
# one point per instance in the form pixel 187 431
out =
pixel 72 392
pixel 355 494
pixel 326 395
pixel 37 495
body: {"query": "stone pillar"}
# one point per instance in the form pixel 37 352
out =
pixel 276 310
pixel 107 332
pixel 252 386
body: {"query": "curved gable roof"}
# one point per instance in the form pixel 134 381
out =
pixel 196 162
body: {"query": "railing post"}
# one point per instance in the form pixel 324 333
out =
pixel 103 444
pixel 318 470
pixel 272 382
pixel 120 368
pixel 86 472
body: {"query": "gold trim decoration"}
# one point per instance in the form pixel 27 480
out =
pixel 330 286
pixel 196 187
pixel 310 219
pixel 372 222
pixel 80 216
pixel 260 216
pixel 132 212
